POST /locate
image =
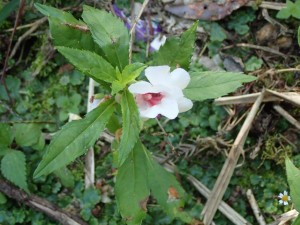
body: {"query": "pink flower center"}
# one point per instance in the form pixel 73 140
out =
pixel 150 98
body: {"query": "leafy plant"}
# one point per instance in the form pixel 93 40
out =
pixel 253 63
pixel 292 9
pixel 293 176
pixel 240 19
pixel 98 47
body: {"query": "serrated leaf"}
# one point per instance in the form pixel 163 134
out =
pixel 293 176
pixel 131 126
pixel 74 139
pixel 131 72
pixel 90 64
pixel 6 135
pixel 166 190
pixel 65 35
pixel 65 176
pixel 13 168
pixel 177 51
pixel 109 33
pixel 56 13
pixel 27 134
pixel 210 85
pixel 128 75
pixel 132 190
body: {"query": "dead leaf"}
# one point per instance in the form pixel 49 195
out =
pixel 206 10
pixel 143 204
pixel 173 194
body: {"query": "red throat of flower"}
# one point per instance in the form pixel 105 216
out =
pixel 152 98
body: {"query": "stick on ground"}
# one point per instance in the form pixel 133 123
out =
pixel 257 213
pixel 40 204
pixel 224 208
pixel 225 175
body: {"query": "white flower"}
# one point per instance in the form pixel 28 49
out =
pixel 284 198
pixel 158 42
pixel 163 94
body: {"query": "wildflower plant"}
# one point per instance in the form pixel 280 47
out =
pixel 98 46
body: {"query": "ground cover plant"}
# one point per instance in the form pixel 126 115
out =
pixel 95 114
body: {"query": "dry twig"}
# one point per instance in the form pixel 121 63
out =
pixel 285 217
pixel 260 219
pixel 250 98
pixel 268 5
pixel 228 168
pixel 293 97
pixel 132 30
pixel 26 35
pixel 40 204
pixel 224 208
pixel 287 116
pixel 19 14
pixel 89 177
pixel 263 48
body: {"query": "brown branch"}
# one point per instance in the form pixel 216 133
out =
pixel 40 204
pixel 19 14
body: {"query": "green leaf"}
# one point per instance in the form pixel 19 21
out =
pixel 56 13
pixel 131 72
pixel 27 134
pixel 296 11
pixel 13 168
pixel 74 139
pixel 65 35
pixel 283 14
pixel 109 33
pixel 296 221
pixel 293 176
pixel 3 199
pixel 177 51
pixel 167 191
pixel 40 144
pixel 253 63
pixel 209 85
pixel 299 35
pixel 132 190
pixel 90 64
pixel 128 75
pixel 217 32
pixel 6 135
pixel 65 176
pixel 8 9
pixel 131 126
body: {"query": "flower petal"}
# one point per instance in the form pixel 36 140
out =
pixel 150 112
pixel 280 202
pixel 289 198
pixel 280 195
pixel 158 42
pixel 180 78
pixel 285 193
pixel 95 104
pixel 285 203
pixel 158 75
pixel 169 108
pixel 142 87
pixel 184 104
